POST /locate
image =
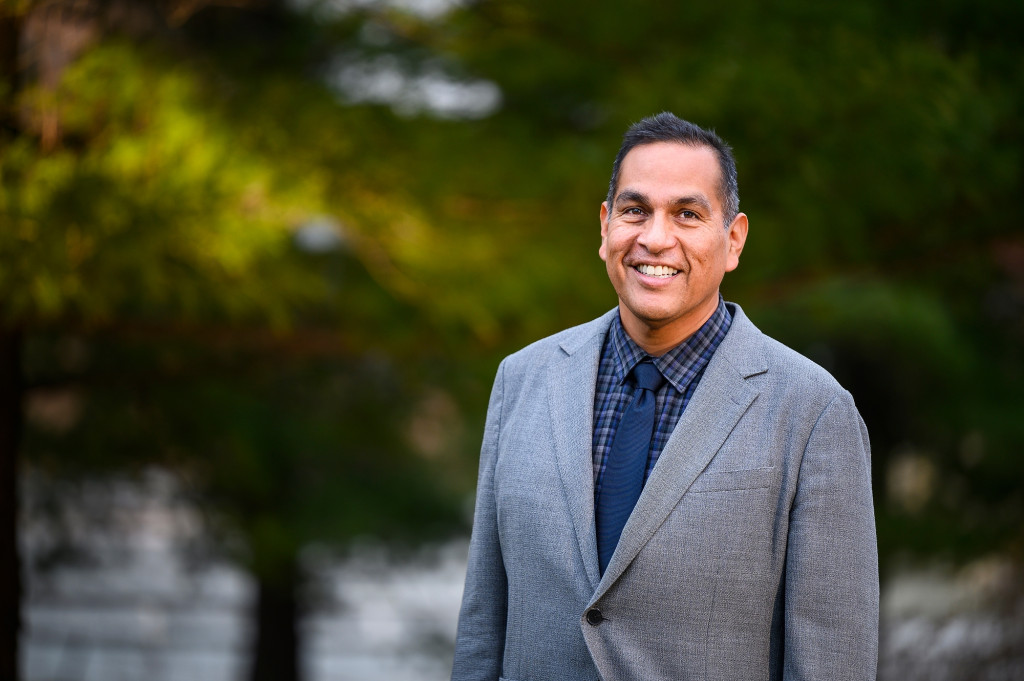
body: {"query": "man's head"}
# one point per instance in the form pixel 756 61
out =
pixel 667 127
pixel 669 231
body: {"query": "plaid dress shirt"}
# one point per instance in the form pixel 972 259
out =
pixel 682 367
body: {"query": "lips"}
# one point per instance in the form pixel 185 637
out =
pixel 661 271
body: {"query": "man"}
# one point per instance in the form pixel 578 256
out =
pixel 739 543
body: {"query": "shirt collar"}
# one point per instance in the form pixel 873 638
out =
pixel 675 364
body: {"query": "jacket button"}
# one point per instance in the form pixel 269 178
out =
pixel 594 617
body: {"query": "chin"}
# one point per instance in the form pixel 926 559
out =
pixel 656 313
pixel 653 319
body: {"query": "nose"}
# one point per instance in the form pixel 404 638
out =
pixel 657 234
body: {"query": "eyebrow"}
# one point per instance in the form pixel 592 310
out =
pixel 698 200
pixel 632 197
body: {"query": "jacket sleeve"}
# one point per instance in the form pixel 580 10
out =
pixel 831 580
pixel 480 640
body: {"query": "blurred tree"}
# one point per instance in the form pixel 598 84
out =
pixel 156 188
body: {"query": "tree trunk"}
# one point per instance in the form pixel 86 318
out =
pixel 10 566
pixel 10 43
pixel 276 653
pixel 11 388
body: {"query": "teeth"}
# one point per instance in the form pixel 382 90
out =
pixel 656 270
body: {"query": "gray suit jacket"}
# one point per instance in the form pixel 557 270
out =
pixel 750 555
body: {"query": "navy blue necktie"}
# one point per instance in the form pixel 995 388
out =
pixel 627 462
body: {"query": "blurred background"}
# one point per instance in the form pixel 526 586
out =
pixel 259 260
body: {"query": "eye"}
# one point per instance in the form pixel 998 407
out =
pixel 634 211
pixel 688 215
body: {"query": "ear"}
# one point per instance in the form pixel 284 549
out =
pixel 603 251
pixel 737 236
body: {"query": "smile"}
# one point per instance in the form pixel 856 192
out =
pixel 656 270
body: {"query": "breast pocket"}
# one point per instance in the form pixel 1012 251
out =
pixel 728 481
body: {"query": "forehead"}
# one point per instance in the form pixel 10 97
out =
pixel 669 170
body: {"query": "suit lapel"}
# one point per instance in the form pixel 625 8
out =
pixel 571 384
pixel 719 401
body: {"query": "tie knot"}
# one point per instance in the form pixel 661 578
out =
pixel 647 376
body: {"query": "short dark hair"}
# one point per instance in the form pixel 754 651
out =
pixel 667 127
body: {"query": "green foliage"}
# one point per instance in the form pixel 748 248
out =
pixel 281 452
pixel 879 151
pixel 149 209
pixel 159 233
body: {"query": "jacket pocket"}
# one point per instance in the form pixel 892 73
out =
pixel 725 481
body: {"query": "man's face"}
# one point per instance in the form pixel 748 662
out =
pixel 665 242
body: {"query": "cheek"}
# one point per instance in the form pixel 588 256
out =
pixel 711 255
pixel 616 244
pixel 697 261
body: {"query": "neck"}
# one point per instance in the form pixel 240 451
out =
pixel 657 340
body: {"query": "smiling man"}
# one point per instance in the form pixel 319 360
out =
pixel 665 492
